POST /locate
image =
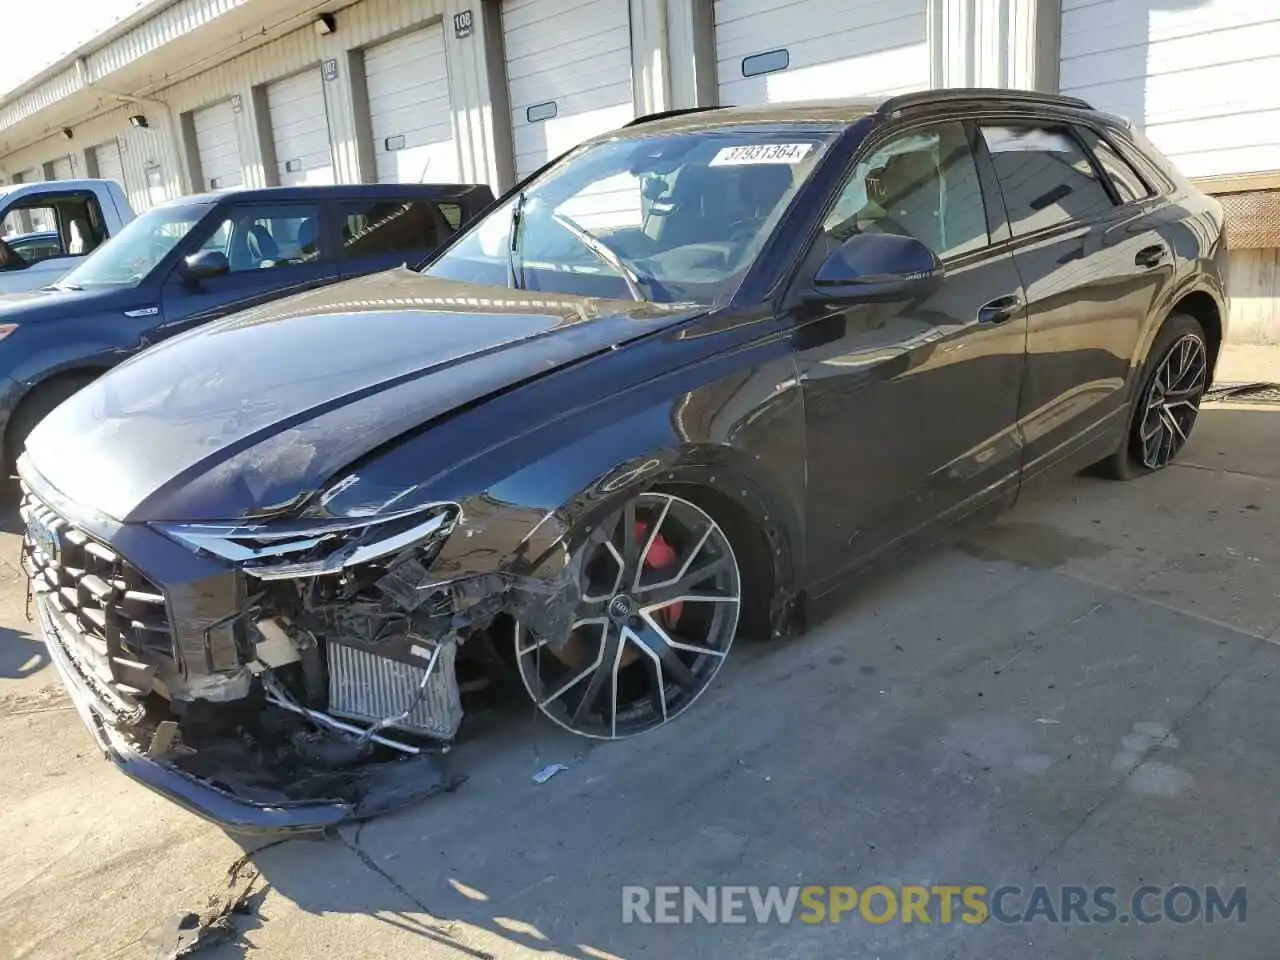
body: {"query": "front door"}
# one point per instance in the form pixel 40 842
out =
pixel 911 406
pixel 273 250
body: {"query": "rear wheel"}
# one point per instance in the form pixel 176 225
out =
pixel 1165 412
pixel 659 606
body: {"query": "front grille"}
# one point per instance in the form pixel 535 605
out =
pixel 112 606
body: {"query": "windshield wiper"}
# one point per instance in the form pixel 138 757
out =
pixel 63 286
pixel 606 255
pixel 515 274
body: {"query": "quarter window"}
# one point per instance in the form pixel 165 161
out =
pixel 922 184
pixel 1045 176
pixel 1128 184
pixel 397 226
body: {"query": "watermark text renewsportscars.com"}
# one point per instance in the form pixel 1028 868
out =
pixel 934 904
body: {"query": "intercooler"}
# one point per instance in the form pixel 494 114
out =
pixel 370 688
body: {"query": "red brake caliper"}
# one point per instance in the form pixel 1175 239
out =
pixel 660 557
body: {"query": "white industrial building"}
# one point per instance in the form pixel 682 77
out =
pixel 180 96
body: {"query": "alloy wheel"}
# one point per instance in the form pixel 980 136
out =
pixel 1173 401
pixel 659 606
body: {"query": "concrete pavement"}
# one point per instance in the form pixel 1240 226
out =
pixel 1082 694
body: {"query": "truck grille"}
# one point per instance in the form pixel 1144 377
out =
pixel 112 607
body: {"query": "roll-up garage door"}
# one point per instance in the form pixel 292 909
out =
pixel 300 130
pixel 110 164
pixel 218 144
pixel 569 73
pixel 1200 78
pixel 63 169
pixel 409 109
pixel 770 51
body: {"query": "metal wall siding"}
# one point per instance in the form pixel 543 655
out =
pixel 160 30
pixel 48 93
pixel 1200 79
pixel 165 46
pixel 298 125
pixel 139 148
pixel 835 48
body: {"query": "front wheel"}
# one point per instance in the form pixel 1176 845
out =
pixel 1166 410
pixel 660 598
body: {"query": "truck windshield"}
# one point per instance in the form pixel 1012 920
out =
pixel 127 258
pixel 668 217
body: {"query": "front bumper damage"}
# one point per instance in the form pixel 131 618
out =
pixel 215 719
pixel 199 796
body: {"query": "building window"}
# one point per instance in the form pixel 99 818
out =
pixel 542 111
pixel 770 62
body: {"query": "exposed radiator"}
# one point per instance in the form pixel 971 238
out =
pixel 364 686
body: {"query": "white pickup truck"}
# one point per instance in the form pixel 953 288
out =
pixel 46 228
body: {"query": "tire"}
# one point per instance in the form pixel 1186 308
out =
pixel 661 595
pixel 35 406
pixel 1177 367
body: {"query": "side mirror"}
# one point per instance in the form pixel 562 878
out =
pixel 205 264
pixel 877 266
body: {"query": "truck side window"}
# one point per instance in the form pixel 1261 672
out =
pixel 62 225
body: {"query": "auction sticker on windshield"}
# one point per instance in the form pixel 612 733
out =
pixel 761 153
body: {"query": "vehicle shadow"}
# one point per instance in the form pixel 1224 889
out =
pixel 503 865
pixel 10 500
pixel 20 654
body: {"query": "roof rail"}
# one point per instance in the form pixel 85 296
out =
pixel 664 114
pixel 905 101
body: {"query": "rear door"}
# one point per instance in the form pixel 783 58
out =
pixel 380 233
pixel 273 250
pixel 1092 262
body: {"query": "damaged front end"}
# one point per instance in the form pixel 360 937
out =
pixel 291 673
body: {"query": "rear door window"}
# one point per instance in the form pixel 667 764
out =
pixel 385 227
pixel 1045 175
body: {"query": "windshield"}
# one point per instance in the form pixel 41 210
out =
pixel 666 217
pixel 133 253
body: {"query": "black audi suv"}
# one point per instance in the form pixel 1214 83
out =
pixel 672 388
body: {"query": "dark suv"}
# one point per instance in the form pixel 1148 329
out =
pixel 674 387
pixel 193 260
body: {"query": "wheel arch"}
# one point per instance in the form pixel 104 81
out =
pixel 1201 305
pixel 764 528
pixel 33 393
pixel 1196 300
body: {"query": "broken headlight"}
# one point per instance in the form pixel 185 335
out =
pixel 275 550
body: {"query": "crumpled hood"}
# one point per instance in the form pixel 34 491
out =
pixel 250 413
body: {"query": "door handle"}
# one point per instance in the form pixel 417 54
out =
pixel 1000 309
pixel 1151 256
